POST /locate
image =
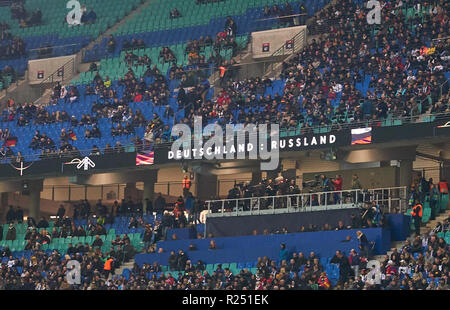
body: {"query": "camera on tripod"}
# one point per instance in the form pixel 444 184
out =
pixel 312 185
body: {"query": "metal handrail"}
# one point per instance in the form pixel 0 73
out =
pixel 43 86
pixel 51 77
pixel 281 51
pixel 281 16
pixel 304 202
pixel 128 148
pixel 405 120
pixel 52 47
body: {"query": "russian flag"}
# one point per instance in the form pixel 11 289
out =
pixel 362 136
pixel 145 159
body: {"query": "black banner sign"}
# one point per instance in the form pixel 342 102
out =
pixel 285 144
pixel 68 166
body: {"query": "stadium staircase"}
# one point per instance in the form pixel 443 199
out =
pixel 432 224
pixel 112 29
pixel 45 95
pixel 120 271
pixel 428 226
pixel 276 69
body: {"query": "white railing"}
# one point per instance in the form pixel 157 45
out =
pixel 387 198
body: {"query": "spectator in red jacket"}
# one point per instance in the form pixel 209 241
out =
pixel 137 97
pixel 337 182
pixel 391 269
pixel 323 281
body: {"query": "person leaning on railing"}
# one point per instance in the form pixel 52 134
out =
pixel 356 185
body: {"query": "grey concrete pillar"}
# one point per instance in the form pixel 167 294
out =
pixel 256 177
pixel 34 203
pixel 405 175
pixel 131 191
pixel 445 171
pixel 206 186
pixel 3 204
pixel 148 193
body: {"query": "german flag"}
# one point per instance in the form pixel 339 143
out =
pixel 10 142
pixel 73 136
pixel 362 136
pixel 145 159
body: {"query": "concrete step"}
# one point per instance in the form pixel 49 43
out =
pixel 119 270
pixel 115 26
pixel 429 226
pixel 432 224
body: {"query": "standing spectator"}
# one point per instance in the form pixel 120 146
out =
pixel 230 27
pixel 148 206
pixel 11 234
pixel 363 244
pixel 61 212
pixel 417 215
pixel 354 261
pixel 43 223
pixel 19 215
pixel 147 239
pixel 344 266
pixel 10 215
pixel 160 204
pixel 195 211
pixel 182 258
pixel 443 187
pixel 337 182
pixel 283 252
pixel 356 185
pixel 108 267
pixel 186 185
pixel 173 261
pixel 434 199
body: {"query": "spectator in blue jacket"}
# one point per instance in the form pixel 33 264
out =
pixel 283 253
pixel 354 261
pixel 363 244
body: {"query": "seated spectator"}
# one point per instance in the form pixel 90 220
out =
pixel 175 13
pixel 11 234
pixel 89 18
pixel 111 44
pixel 212 245
pixel 43 223
pixel 98 242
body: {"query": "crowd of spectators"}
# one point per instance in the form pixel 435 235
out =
pixel 321 78
pixel 402 71
pixel 286 14
pixel 11 47
pixel 8 74
pixel 31 20
pixel 134 44
pixel 421 264
pixel 18 10
pixel 88 17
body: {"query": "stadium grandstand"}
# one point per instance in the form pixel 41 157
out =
pixel 102 187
